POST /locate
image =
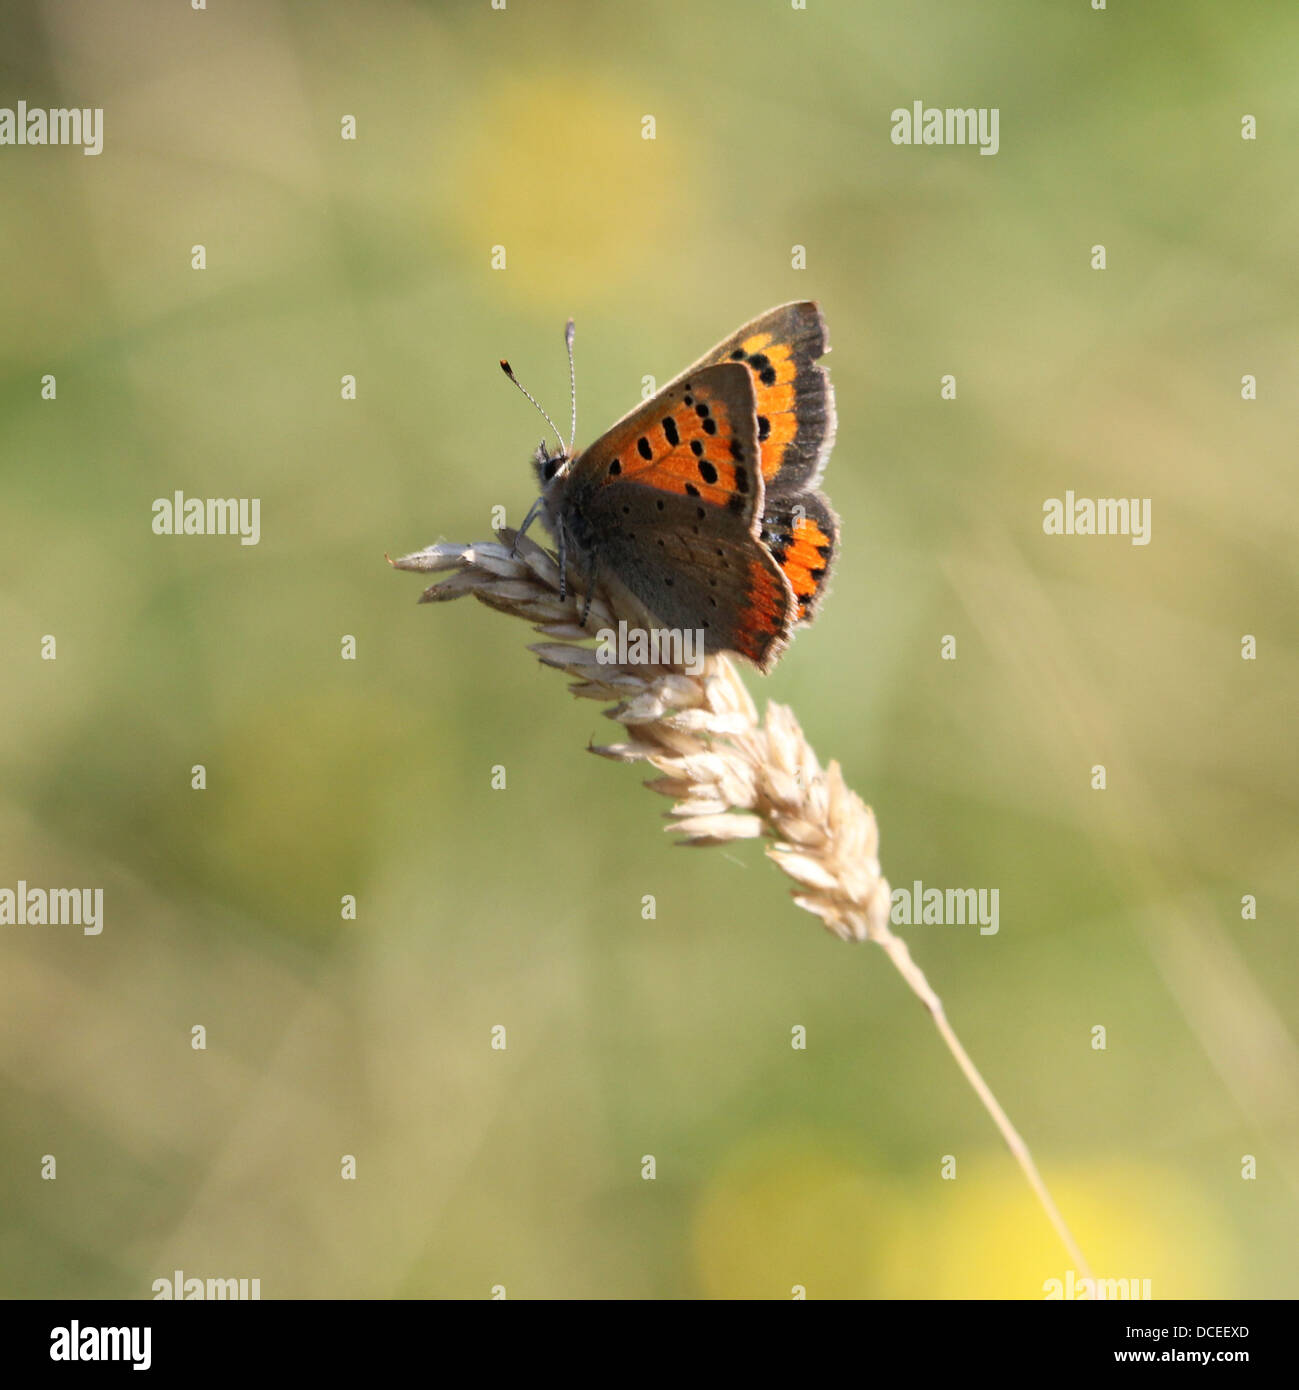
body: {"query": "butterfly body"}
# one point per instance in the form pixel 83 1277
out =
pixel 701 506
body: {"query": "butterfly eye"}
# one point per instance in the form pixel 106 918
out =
pixel 551 468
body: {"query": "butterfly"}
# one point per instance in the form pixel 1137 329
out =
pixel 700 509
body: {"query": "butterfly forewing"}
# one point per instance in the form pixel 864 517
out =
pixel 793 399
pixel 696 439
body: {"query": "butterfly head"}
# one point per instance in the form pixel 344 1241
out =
pixel 548 465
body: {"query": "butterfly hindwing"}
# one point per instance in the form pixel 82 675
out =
pixel 695 569
pixel 802 533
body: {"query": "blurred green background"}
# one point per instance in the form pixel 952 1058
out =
pixel 522 907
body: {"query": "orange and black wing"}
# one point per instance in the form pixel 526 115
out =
pixel 802 533
pixel 793 399
pixel 795 417
pixel 696 438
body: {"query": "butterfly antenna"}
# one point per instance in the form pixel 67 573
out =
pixel 569 334
pixel 509 372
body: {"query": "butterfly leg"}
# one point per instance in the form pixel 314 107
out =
pixel 533 512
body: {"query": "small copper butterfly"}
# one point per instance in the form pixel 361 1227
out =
pixel 701 506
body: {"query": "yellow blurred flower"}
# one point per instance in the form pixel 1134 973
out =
pixel 792 1212
pixel 563 179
